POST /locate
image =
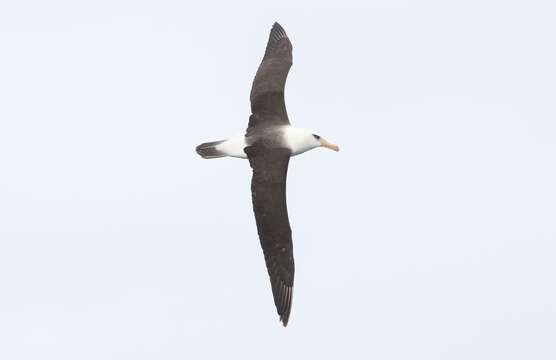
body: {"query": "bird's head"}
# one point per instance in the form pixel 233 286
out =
pixel 320 141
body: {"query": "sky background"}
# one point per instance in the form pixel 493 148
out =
pixel 431 235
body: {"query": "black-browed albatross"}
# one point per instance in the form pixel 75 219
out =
pixel 269 143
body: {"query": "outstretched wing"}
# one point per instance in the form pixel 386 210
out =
pixel 268 189
pixel 267 93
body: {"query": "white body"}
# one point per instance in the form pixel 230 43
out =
pixel 296 139
pixel 234 147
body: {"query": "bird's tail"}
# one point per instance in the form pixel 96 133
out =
pixel 209 150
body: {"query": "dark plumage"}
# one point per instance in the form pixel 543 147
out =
pixel 267 93
pixel 268 190
pixel 269 143
pixel 208 150
pixel 269 161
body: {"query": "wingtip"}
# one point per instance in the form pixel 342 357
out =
pixel 277 33
pixel 286 302
pixel 276 27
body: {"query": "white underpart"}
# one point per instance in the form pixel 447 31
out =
pixel 234 147
pixel 296 139
pixel 299 140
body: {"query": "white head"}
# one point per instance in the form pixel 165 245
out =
pixel 301 140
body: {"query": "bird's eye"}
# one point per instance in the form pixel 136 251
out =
pixel 316 136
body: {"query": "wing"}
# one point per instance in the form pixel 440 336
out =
pixel 267 92
pixel 268 189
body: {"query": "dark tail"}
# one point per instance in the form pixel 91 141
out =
pixel 208 150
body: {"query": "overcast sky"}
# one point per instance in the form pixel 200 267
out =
pixel 431 235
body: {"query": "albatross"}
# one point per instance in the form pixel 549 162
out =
pixel 268 144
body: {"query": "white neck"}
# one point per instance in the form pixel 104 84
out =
pixel 299 140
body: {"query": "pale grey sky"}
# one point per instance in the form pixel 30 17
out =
pixel 431 235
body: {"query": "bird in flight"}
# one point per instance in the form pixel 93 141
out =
pixel 269 143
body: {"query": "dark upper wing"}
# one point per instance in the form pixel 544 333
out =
pixel 267 92
pixel 268 188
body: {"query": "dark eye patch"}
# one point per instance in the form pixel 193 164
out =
pixel 316 136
